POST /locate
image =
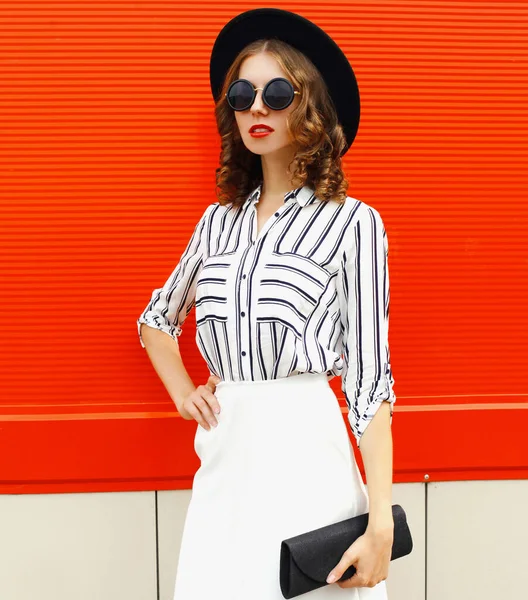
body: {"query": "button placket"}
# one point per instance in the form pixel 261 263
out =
pixel 243 301
pixel 256 240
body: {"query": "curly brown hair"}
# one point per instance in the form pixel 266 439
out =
pixel 313 124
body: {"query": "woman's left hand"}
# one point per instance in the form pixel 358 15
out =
pixel 370 554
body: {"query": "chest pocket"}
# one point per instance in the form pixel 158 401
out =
pixel 290 289
pixel 212 287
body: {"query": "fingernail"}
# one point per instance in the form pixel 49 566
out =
pixel 217 410
pixel 331 578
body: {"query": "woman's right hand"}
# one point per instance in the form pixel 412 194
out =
pixel 201 403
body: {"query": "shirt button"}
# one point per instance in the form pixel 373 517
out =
pixel 276 214
pixel 243 353
pixel 243 276
pixel 243 313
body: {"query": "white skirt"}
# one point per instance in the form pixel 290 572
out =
pixel 278 464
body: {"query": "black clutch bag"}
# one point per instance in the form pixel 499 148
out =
pixel 307 559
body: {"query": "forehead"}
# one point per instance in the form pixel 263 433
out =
pixel 260 68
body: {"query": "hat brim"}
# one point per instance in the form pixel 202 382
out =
pixel 306 36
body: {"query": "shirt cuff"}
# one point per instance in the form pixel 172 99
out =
pixel 174 331
pixel 368 415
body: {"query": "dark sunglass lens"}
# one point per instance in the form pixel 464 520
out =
pixel 279 94
pixel 240 95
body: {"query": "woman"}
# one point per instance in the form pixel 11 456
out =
pixel 290 282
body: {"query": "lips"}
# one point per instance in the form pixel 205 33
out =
pixel 263 127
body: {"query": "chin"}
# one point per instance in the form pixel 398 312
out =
pixel 260 148
pixel 259 151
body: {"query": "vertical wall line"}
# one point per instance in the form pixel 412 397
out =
pixel 426 534
pixel 157 547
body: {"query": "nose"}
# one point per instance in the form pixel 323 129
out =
pixel 258 104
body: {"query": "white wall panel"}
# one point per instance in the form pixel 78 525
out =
pixel 78 546
pixel 172 509
pixel 477 540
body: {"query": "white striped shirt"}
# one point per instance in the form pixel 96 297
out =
pixel 310 293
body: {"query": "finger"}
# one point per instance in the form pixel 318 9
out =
pixel 212 400
pixel 212 382
pixel 197 416
pixel 356 580
pixel 207 403
pixel 346 560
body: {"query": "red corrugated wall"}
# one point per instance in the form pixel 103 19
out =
pixel 108 149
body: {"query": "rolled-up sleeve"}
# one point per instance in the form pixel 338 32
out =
pixel 367 378
pixel 170 304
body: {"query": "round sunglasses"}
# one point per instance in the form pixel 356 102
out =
pixel 277 94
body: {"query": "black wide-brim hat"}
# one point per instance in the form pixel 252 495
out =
pixel 302 34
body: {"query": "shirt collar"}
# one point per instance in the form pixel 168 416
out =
pixel 303 195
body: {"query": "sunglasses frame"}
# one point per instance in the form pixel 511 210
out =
pixel 263 93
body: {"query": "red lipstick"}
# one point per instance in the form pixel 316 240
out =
pixel 260 130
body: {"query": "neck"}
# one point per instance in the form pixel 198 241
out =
pixel 277 181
